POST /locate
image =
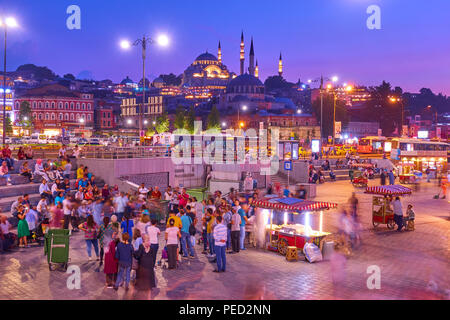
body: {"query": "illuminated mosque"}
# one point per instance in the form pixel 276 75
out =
pixel 207 75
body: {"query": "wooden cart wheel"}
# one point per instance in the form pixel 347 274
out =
pixel 282 246
pixel 65 266
pixel 390 224
pixel 375 224
pixel 51 267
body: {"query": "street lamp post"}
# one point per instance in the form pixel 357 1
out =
pixel 244 108
pixel 320 80
pixel 8 22
pixel 161 40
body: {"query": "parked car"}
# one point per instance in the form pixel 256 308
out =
pixel 82 141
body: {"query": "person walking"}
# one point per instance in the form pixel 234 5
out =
pixel 105 236
pixel 383 177
pixel 391 177
pixel 124 254
pixel 172 236
pixel 146 264
pixel 235 229
pixel 398 213
pixel 111 263
pixel 90 229
pixel 220 240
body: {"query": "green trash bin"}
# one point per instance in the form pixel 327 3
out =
pixel 56 247
pixel 199 193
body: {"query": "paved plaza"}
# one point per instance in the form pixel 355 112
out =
pixel 414 265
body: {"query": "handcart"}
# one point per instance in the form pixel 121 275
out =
pixel 381 203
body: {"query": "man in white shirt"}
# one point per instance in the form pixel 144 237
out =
pixel 42 208
pixel 120 203
pixel 45 190
pixel 31 217
pixel 220 242
pixel 153 233
pixel 143 191
pixel 67 209
pixel 235 229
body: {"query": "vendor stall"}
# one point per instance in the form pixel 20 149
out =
pixel 406 172
pixel 279 225
pixel 381 203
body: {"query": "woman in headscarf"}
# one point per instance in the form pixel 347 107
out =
pixel 39 170
pixel 145 271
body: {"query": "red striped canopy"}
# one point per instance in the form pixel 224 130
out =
pixel 361 165
pixel 394 190
pixel 305 205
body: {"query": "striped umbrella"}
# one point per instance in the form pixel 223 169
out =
pixel 392 190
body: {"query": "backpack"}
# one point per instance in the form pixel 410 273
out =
pixel 192 230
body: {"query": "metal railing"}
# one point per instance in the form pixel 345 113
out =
pixel 107 152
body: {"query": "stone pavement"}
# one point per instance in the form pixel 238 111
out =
pixel 409 263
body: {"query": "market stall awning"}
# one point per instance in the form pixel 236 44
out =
pixel 361 165
pixel 393 190
pixel 292 204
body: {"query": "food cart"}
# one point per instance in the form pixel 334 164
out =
pixel 381 203
pixel 285 230
pixel 406 173
pixel 360 175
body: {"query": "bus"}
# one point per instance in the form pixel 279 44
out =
pixel 371 144
pixel 422 153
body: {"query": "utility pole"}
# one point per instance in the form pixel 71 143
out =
pixel 4 89
pixel 321 107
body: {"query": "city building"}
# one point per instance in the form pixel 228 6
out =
pixel 55 107
pixel 8 93
pixel 151 110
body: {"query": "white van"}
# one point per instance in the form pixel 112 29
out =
pixel 34 138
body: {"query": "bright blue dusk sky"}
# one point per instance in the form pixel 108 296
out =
pixel 412 50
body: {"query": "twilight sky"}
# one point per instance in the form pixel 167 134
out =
pixel 412 49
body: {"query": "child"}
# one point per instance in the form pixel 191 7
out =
pixel 124 253
pixel 410 216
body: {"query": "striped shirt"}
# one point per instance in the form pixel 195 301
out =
pixel 220 233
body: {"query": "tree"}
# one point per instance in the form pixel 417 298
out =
pixel 8 126
pixel 171 79
pixel 39 73
pixel 189 120
pixel 328 110
pixel 213 122
pixel 162 123
pixel 179 118
pixel 25 117
pixel 381 109
pixel 69 76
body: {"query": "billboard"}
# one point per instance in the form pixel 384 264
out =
pixel 315 145
pixel 422 134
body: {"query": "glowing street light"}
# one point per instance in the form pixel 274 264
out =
pixel 348 88
pixel 129 121
pixel 299 111
pixel 334 78
pixel 224 124
pixel 161 40
pixel 8 22
pixel 125 44
pixel 145 122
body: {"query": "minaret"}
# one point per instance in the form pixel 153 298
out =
pixel 257 69
pixel 251 67
pixel 242 53
pixel 280 67
pixel 219 53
